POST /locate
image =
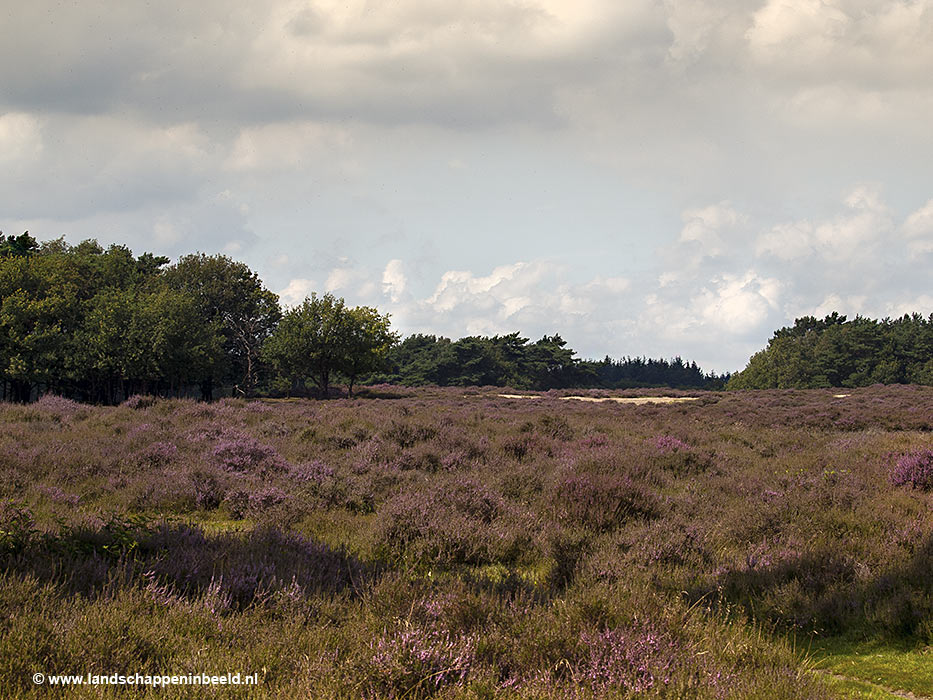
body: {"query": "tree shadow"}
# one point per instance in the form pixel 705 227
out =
pixel 230 571
pixel 825 592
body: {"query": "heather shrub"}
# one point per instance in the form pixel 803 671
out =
pixel 593 440
pixel 264 498
pixel 416 662
pixel 244 454
pixel 522 483
pixel 519 447
pixel 162 488
pixel 370 452
pixel 668 444
pixel 208 489
pixel 157 454
pixel 182 562
pixel 457 460
pixel 600 501
pixel 236 502
pixel 565 550
pixel 525 549
pixel 455 521
pixel 247 570
pixel 801 590
pixel 459 440
pixel 914 469
pixel 139 401
pixel 17 527
pixel 356 494
pixel 632 660
pixel 666 545
pixel 57 495
pixel 343 441
pixel 551 426
pixel 59 407
pixel 406 434
pixel 314 471
pixel 679 458
pixel 421 457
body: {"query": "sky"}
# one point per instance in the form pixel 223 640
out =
pixel 645 178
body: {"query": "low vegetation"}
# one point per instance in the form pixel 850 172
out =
pixel 451 543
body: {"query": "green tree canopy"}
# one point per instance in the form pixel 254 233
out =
pixel 837 352
pixel 322 337
pixel 233 302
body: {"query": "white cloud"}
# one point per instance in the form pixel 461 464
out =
pixel 855 233
pixel 505 282
pixel 339 278
pixel 285 145
pixel 296 291
pixel 394 280
pixel 811 29
pixel 531 297
pixel 922 304
pixel 918 229
pixel 885 43
pixel 846 304
pixel 693 24
pixel 738 303
pixel 20 137
pixel 850 235
pixel 711 227
pixel 166 232
pixel 788 241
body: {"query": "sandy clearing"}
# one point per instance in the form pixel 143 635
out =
pixel 617 399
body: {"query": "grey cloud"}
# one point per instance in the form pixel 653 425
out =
pixel 92 165
pixel 463 66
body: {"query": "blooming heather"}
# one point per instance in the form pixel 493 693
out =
pixel 914 469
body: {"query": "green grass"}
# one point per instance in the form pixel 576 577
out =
pixel 857 690
pixel 870 669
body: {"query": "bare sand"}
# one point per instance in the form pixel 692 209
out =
pixel 617 399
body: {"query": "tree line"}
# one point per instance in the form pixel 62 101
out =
pixel 836 352
pixel 100 324
pixel 510 360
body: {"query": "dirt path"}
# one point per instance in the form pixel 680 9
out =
pixel 892 691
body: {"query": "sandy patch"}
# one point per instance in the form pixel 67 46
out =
pixel 840 396
pixel 616 399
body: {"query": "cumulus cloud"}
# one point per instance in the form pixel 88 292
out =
pixel 89 165
pixel 738 303
pixel 20 138
pixel 534 297
pixel 710 227
pixel 339 278
pixel 394 280
pixel 871 44
pixel 284 146
pixel 853 234
pixel 499 292
pixel 296 291
pixel 787 241
pixel 919 229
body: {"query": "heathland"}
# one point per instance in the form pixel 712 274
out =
pixel 455 543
